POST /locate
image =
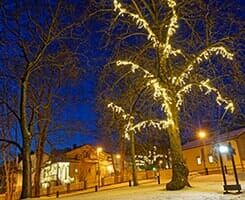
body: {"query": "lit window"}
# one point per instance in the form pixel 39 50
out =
pixel 210 159
pixel 199 160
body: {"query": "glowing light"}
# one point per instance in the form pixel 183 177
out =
pixel 202 134
pixel 99 149
pixel 219 99
pixel 131 126
pixel 160 124
pixel 119 110
pixel 205 85
pixel 56 171
pixel 172 27
pixel 223 149
pixel 118 156
pixel 180 94
pixel 110 168
pixel 140 22
pixel 159 91
pixel 205 55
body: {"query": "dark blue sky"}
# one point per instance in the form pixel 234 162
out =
pixel 84 108
pixel 96 59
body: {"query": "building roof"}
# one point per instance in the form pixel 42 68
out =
pixel 215 139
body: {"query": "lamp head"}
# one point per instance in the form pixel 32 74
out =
pixel 202 134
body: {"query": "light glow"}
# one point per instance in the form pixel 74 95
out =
pixel 202 134
pixel 140 22
pixel 223 149
pixel 99 149
pixel 205 55
pixel 136 127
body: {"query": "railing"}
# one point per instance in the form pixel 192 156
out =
pixel 92 184
pixel 87 185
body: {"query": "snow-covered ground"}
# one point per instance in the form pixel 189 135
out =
pixel 203 188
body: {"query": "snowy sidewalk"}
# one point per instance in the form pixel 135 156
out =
pixel 203 188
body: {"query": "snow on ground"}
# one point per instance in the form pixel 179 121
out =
pixel 203 188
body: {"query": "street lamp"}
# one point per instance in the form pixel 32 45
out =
pixel 118 157
pixel 202 135
pixel 99 150
pixel 159 168
pixel 227 149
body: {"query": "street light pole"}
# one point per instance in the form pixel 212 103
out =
pixel 98 150
pixel 202 135
pixel 118 157
pixel 227 149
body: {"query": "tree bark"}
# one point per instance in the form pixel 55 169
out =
pixel 122 154
pixel 26 135
pixel 132 147
pixel 37 176
pixel 179 170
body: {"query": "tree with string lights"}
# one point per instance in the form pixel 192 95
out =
pixel 170 85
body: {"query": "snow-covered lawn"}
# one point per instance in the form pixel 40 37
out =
pixel 203 188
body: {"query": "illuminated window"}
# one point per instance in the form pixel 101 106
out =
pixel 199 160
pixel 210 159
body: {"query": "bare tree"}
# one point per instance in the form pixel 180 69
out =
pixel 36 44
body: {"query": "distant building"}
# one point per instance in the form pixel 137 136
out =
pixel 83 163
pixel 57 172
pixel 201 154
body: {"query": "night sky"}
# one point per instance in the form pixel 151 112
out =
pixel 84 108
pixel 96 59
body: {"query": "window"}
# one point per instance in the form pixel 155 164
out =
pixel 86 154
pixel 199 160
pixel 210 159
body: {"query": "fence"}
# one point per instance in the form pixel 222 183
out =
pixel 86 185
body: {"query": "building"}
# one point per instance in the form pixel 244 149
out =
pixel 89 163
pixel 56 173
pixel 83 163
pixel 201 155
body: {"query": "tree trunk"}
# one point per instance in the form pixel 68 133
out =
pixel 113 164
pixel 179 170
pixel 26 174
pixel 43 124
pixel 26 135
pixel 39 159
pixel 132 147
pixel 122 154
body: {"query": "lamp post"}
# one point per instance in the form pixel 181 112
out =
pixel 227 149
pixel 99 150
pixel 118 157
pixel 159 171
pixel 202 135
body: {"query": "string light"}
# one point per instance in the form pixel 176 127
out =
pixel 172 27
pixel 205 85
pixel 140 22
pixel 161 93
pixel 205 55
pixel 119 110
pixel 219 99
pixel 159 124
pixel 130 126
